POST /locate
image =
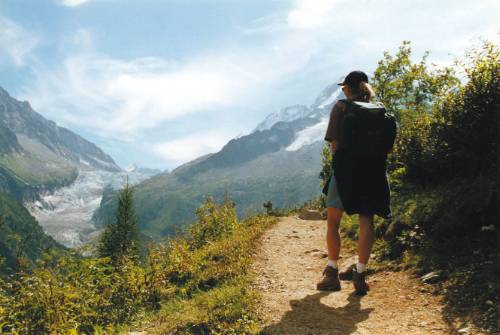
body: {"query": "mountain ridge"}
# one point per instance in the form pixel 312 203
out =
pixel 251 169
pixel 20 118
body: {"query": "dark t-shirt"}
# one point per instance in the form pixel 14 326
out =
pixel 333 131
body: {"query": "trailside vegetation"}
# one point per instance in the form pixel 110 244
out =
pixel 193 283
pixel 444 174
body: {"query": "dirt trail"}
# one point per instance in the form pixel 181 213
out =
pixel 290 261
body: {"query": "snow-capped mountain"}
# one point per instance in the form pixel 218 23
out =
pixel 279 162
pixel 328 97
pixel 286 114
pixel 320 110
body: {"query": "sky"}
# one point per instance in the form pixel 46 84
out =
pixel 159 83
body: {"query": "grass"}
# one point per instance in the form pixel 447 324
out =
pixel 212 294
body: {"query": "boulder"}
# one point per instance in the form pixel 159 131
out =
pixel 431 277
pixel 308 214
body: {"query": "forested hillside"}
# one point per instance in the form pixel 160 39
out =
pixel 22 240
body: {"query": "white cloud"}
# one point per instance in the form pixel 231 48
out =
pixel 119 98
pixel 72 3
pixel 312 42
pixel 310 14
pixel 15 43
pixel 187 148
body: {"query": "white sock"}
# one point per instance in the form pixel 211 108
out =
pixel 360 267
pixel 332 263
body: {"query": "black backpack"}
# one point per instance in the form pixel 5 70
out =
pixel 368 130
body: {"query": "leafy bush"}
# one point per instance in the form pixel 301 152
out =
pixel 214 222
pixel 409 89
pixel 466 129
pixel 72 294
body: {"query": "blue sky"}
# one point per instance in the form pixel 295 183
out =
pixel 158 83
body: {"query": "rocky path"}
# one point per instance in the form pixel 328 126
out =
pixel 289 262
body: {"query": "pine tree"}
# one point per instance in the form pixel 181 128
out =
pixel 121 238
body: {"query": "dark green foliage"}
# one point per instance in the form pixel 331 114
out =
pixel 409 91
pixel 121 238
pixel 22 239
pixel 466 130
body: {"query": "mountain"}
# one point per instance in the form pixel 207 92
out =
pixel 20 234
pixel 50 177
pixel 279 162
pixel 286 114
pixel 36 154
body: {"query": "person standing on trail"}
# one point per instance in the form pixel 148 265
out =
pixel 358 182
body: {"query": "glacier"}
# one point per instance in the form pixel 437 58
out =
pixel 309 135
pixel 66 214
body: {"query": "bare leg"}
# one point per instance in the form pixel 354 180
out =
pixel 333 216
pixel 366 238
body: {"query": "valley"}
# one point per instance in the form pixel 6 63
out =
pixel 66 214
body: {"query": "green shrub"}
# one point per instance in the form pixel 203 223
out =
pixel 72 294
pixel 466 129
pixel 213 222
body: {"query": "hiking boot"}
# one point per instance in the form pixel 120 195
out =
pixel 359 281
pixel 347 273
pixel 330 281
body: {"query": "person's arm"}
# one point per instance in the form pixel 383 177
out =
pixel 332 131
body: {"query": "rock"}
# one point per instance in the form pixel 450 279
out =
pixel 489 302
pixel 319 254
pixel 308 214
pixel 310 251
pixel 464 330
pixel 431 277
pixel 323 214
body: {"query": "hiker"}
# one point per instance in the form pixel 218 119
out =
pixel 269 207
pixel 358 184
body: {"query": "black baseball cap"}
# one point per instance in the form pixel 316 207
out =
pixel 354 78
